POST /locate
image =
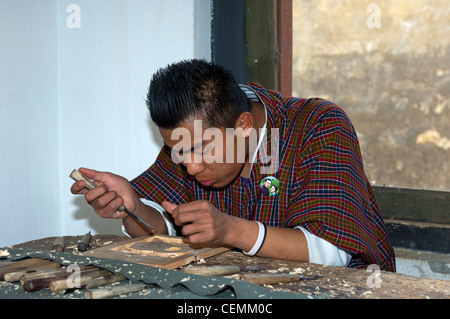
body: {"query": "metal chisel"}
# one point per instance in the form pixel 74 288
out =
pixel 77 176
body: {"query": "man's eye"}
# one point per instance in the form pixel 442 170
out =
pixel 207 149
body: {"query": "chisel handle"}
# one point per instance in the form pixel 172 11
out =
pixel 84 243
pixel 77 176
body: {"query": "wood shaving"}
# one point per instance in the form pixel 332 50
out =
pixel 174 248
pixel 298 270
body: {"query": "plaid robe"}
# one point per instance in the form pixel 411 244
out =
pixel 322 184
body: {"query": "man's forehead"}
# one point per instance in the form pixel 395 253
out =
pixel 187 137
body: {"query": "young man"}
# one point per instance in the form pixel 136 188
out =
pixel 222 141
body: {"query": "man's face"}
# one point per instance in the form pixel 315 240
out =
pixel 214 156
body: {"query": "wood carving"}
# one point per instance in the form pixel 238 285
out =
pixel 158 251
pixel 168 247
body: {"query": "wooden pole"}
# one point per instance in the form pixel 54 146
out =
pixel 102 293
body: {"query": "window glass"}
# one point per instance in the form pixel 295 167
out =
pixel 387 64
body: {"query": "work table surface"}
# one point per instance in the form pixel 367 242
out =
pixel 334 282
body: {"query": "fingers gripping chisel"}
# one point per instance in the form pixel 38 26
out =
pixel 77 176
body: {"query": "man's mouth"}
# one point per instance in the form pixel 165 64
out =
pixel 206 182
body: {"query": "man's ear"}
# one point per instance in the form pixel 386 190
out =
pixel 245 124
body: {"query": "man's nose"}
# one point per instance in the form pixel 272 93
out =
pixel 194 168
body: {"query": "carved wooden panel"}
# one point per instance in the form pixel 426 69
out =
pixel 158 251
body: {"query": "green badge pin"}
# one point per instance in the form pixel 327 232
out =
pixel 269 186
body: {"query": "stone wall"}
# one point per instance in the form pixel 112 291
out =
pixel 387 64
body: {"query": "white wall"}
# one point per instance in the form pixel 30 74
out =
pixel 29 155
pixel 72 97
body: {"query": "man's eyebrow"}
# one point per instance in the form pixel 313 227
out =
pixel 200 144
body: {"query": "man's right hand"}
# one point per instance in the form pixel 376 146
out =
pixel 112 191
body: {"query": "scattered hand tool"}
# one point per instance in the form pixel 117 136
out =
pixel 64 284
pixel 21 265
pixel 36 274
pixel 58 246
pixel 15 275
pixel 77 176
pixel 84 243
pixel 101 293
pixel 104 280
pixel 269 278
pixel 41 279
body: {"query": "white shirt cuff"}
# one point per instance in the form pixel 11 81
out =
pixel 323 252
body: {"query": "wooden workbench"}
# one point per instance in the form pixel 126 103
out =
pixel 334 282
